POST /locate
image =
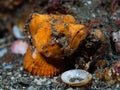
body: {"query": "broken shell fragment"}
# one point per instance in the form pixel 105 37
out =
pixel 116 39
pixel 116 36
pixel 76 77
pixel 19 47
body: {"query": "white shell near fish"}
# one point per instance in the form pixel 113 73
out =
pixel 76 77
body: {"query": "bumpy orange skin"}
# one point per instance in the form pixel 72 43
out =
pixel 43 26
pixel 50 54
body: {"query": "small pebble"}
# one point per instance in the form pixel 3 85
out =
pixel 12 88
pixel 21 68
pixel 12 78
pixel 24 75
pixel 9 66
pixel 118 85
pixel 93 15
pixel 89 2
pixel 31 77
pixel 9 73
pixel 48 82
pixel 3 52
pixel 42 81
pixel 17 32
pixel 31 88
pixel 55 80
pixel 19 75
pixel 69 89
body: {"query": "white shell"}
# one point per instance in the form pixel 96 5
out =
pixel 76 74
